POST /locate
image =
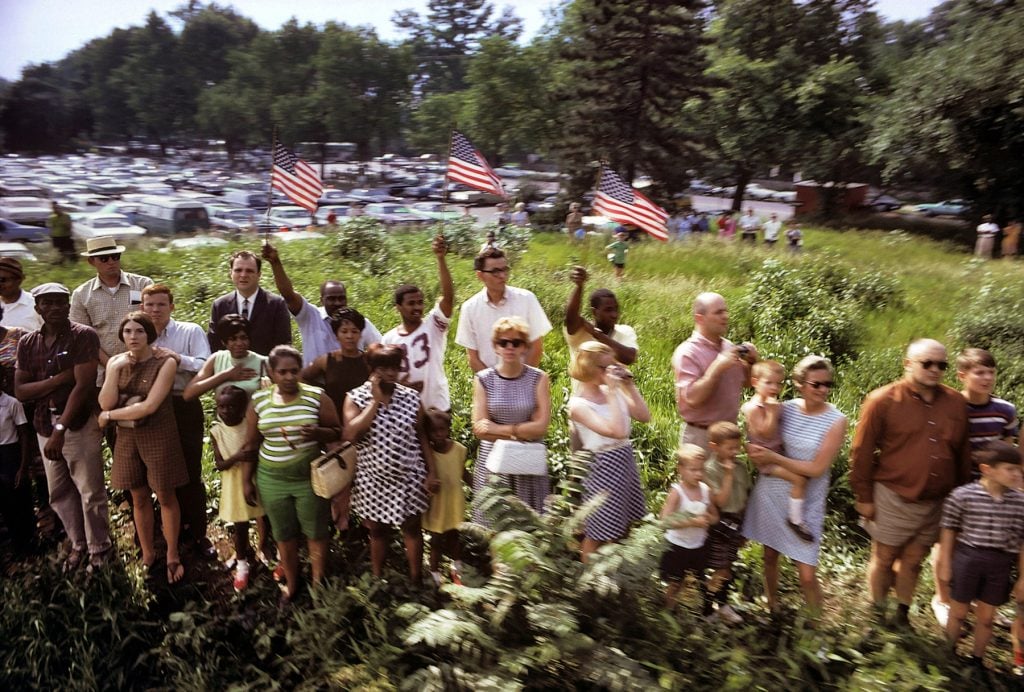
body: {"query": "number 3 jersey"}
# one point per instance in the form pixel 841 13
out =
pixel 424 357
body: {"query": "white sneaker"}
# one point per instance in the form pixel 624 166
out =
pixel 729 616
pixel 941 611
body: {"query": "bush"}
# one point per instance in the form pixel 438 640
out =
pixel 364 240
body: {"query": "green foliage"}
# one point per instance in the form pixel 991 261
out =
pixel 992 321
pixel 364 240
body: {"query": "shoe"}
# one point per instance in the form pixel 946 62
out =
pixel 1018 671
pixel 941 611
pixel 456 577
pixel 205 549
pixel 241 576
pixel 801 530
pixel 279 572
pixel 729 616
pixel 74 560
pixel 98 561
pixel 900 620
pixel 1001 620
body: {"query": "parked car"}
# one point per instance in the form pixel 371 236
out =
pixel 548 204
pixel 699 187
pixel 233 219
pixel 17 251
pixel 474 197
pixel 394 215
pixel 333 197
pixel 290 216
pixel 884 203
pixel 435 211
pixel 372 196
pixel 115 225
pixel 430 190
pixel 289 236
pixel 949 207
pixel 172 216
pixel 193 242
pixel 11 231
pixel 340 210
pixel 30 210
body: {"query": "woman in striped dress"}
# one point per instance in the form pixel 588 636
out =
pixel 290 423
pixel 511 401
pixel 607 401
pixel 812 433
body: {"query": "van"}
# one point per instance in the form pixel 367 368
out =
pixel 246 198
pixel 171 216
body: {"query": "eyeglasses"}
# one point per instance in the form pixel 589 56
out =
pixel 496 270
pixel 109 258
pixel 504 343
pixel 819 385
pixel 929 364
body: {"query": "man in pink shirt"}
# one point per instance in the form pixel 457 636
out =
pixel 710 371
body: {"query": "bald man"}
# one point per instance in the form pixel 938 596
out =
pixel 710 371
pixel 909 451
pixel 314 323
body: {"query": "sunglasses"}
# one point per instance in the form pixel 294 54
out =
pixel 497 270
pixel 504 343
pixel 929 364
pixel 109 258
pixel 819 385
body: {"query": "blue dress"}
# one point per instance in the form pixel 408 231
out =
pixel 768 507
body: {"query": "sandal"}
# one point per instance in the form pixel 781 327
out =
pixel 175 572
pixel 74 560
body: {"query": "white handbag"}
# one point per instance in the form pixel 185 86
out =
pixel 516 458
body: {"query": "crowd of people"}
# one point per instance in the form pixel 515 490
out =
pixel 106 363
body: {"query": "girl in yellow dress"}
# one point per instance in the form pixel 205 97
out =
pixel 448 505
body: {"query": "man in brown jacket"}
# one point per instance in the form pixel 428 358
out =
pixel 909 451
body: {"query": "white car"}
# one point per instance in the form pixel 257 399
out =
pixel 31 210
pixel 114 225
pixel 290 216
pixel 289 236
pixel 194 242
pixel 17 251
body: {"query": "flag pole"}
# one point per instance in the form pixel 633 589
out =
pixel 444 188
pixel 270 190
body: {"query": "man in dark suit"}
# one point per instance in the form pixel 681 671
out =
pixel 267 310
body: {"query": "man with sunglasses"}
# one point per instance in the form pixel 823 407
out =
pixel 496 300
pixel 910 450
pixel 102 302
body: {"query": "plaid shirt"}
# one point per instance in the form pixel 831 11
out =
pixel 95 306
pixel 982 521
pixel 76 345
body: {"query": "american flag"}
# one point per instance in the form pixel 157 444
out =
pixel 295 178
pixel 466 165
pixel 620 202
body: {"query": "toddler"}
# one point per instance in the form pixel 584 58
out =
pixel 729 481
pixel 448 505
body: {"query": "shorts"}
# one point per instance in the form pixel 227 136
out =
pixel 981 574
pixel 725 540
pixel 676 561
pixel 694 434
pixel 620 265
pixel 898 522
pixel 292 508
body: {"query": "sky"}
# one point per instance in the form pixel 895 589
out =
pixel 36 31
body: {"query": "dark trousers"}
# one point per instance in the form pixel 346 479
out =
pixel 16 502
pixel 191 497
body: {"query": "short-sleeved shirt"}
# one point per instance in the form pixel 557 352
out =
pixel 621 333
pixel 982 521
pixel 94 305
pixel 989 229
pixel 618 251
pixel 771 230
pixel 21 313
pixel 317 336
pixel 994 420
pixel 424 357
pixel 690 361
pixel 749 223
pixel 12 414
pixel 713 475
pixel 478 315
pixel 77 345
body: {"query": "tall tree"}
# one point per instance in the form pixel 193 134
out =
pixel 444 39
pixel 628 65
pixel 35 116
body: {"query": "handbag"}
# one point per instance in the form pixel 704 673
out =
pixel 517 458
pixel 333 471
pixel 126 400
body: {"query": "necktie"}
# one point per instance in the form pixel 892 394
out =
pixel 245 308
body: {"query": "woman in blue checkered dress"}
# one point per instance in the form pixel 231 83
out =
pixel 607 401
pixel 511 401
pixel 812 433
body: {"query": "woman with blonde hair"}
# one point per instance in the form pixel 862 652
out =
pixel 602 410
pixel 511 401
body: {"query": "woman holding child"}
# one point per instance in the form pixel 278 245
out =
pixel 812 432
pixel 607 402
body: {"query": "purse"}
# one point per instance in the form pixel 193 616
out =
pixel 518 458
pixel 333 471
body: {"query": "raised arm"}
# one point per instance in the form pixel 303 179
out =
pixel 535 353
pixel 573 320
pixel 440 248
pixel 281 280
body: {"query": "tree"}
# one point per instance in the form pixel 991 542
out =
pixel 432 122
pixel 443 40
pixel 628 65
pixel 35 116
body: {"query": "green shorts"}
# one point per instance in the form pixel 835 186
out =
pixel 292 507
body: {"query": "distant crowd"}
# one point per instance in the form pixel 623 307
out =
pixel 106 363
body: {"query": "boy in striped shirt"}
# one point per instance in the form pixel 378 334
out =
pixel 988 418
pixel 982 525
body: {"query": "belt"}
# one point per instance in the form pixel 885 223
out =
pixel 699 426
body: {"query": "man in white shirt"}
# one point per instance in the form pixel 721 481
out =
pixel 19 307
pixel 987 232
pixel 314 323
pixel 188 344
pixel 772 227
pixel 496 300
pixel 748 226
pixel 424 340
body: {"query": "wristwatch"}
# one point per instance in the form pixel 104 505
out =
pixel 60 427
